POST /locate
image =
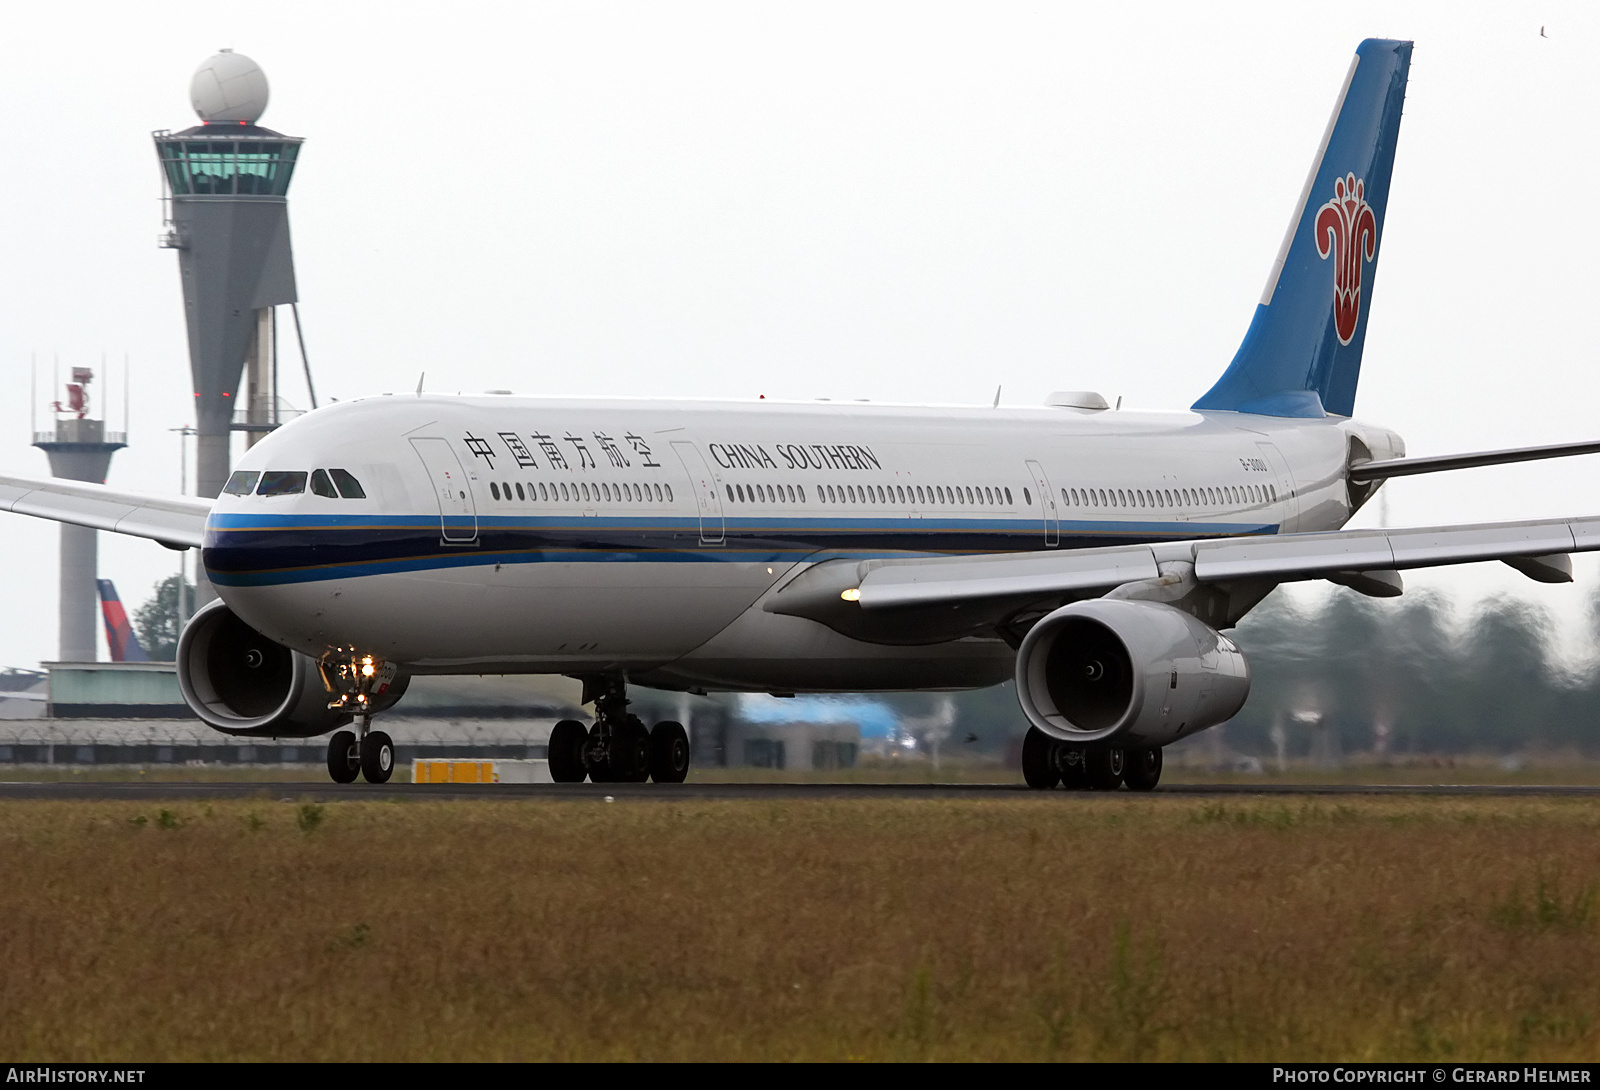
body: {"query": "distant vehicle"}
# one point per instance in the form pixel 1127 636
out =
pixel 1093 555
pixel 120 638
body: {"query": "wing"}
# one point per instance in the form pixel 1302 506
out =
pixel 178 522
pixel 928 599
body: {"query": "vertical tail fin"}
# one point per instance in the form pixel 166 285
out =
pixel 120 638
pixel 1302 353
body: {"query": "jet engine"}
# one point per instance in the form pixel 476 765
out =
pixel 1129 673
pixel 241 682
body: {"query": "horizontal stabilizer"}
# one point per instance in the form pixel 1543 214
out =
pixel 178 521
pixel 1405 467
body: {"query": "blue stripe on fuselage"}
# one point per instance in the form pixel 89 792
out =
pixel 264 550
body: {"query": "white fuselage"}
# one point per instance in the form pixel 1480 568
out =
pixel 502 534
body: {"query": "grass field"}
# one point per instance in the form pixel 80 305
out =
pixel 1046 927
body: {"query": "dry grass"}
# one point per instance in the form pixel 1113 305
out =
pixel 1041 927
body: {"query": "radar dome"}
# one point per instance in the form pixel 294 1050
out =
pixel 229 87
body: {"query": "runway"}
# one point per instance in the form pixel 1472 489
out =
pixel 639 792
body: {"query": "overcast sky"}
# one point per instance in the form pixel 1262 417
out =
pixel 908 202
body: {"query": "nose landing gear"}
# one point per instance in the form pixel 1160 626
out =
pixel 354 683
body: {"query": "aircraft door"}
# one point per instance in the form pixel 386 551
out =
pixel 1047 506
pixel 707 503
pixel 1283 479
pixel 458 512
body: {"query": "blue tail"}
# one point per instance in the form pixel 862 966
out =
pixel 1302 354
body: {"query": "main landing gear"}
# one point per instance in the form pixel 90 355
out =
pixel 618 748
pixel 1047 762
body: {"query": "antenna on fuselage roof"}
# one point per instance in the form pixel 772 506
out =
pixel 419 382
pixel 997 390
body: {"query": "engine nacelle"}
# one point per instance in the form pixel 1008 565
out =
pixel 240 682
pixel 1129 672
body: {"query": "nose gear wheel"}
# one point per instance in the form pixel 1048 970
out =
pixel 344 757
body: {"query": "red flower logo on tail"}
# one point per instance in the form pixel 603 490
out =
pixel 1347 230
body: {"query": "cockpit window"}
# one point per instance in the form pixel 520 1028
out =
pixel 242 483
pixel 282 482
pixel 321 486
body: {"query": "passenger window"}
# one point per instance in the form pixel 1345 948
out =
pixel 729 487
pixel 669 493
pixel 242 483
pixel 494 490
pixel 519 491
pixel 585 489
pixel 281 482
pixel 658 493
pixel 1008 497
pixel 1027 497
pixel 321 486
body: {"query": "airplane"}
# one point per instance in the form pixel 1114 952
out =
pixel 1094 555
pixel 120 636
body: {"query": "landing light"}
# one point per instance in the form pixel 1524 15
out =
pixel 851 595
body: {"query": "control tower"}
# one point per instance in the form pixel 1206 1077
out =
pixel 80 449
pixel 227 183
